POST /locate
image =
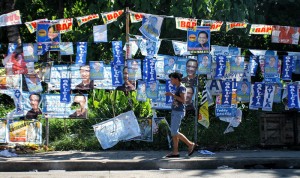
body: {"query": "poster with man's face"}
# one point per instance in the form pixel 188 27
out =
pixel 198 39
pixel 204 63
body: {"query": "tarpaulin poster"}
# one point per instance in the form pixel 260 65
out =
pixel 221 67
pixel 3 131
pixel 30 52
pixel 12 18
pixel 159 67
pixel 185 23
pixel 214 87
pixel 232 25
pixel 100 33
pixel 169 65
pixel 285 34
pixel 271 68
pixel 146 130
pixel 77 108
pixel 81 78
pixel 117 53
pixel 65 88
pixel 141 91
pixel 106 83
pixel 9 81
pixel 261 29
pixel 109 17
pixel 151 26
pixel 149 48
pixel 58 72
pixel 134 69
pixel 204 61
pixel 215 26
pixel 117 75
pixel 136 17
pixel 64 25
pixel 151 72
pixel 97 70
pixel 253 64
pixel 25 132
pixel 31 26
pixel 293 96
pixel 84 19
pixel 243 91
pixel 198 39
pixel 181 65
pixel 277 93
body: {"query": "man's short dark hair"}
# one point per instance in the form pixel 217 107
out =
pixel 79 94
pixel 191 88
pixel 36 94
pixel 176 75
pixel 194 60
pixel 204 32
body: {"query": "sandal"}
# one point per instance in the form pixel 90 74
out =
pixel 193 150
pixel 172 156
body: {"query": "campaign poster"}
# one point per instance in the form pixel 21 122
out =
pixel 149 48
pixel 169 65
pixel 106 83
pixel 145 125
pixel 277 93
pixel 181 65
pixel 25 132
pixel 285 34
pixel 161 101
pixel 204 63
pixel 76 109
pixel 58 72
pixel 141 91
pixel 96 70
pixel 33 83
pixel 198 39
pixel 237 64
pixel 159 67
pixel 47 35
pixel 134 69
pixel 271 73
pixel 66 48
pixel 30 52
pixel 243 91
pixel 9 81
pixel 45 71
pixel 151 26
pixel 180 48
pixel 152 90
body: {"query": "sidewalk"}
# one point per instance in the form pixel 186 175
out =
pixel 149 160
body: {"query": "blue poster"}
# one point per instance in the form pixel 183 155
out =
pixel 106 83
pixel 237 64
pixel 160 102
pixel 271 69
pixel 30 52
pixel 11 48
pixel 159 67
pixel 151 73
pixel 48 36
pixel 181 65
pixel 243 91
pixel 152 90
pixel 141 91
pixel 258 95
pixel 293 96
pixel 117 75
pixel 198 39
pixel 134 69
pixel 151 26
pixel 170 88
pixel 117 53
pixel 81 53
pixel 66 48
pixel 253 65
pixel 287 68
pixel 277 93
pixel 204 63
pixel 226 93
pixel 65 88
pixel 97 70
pixel 221 66
pixel 33 83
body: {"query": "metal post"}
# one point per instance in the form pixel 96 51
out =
pixel 196 111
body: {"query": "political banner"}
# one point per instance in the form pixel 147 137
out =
pixel 180 48
pixel 214 87
pixel 151 26
pixel 146 129
pixel 258 29
pixel 141 91
pixel 109 17
pixel 268 97
pixel 169 65
pixel 159 67
pixel 11 48
pixel 215 26
pixel 293 96
pixel 221 66
pixel 131 48
pixel 226 93
pixel 9 81
pixel 149 48
pixel 76 109
pixel 31 26
pixel 263 53
pixel 277 93
pixel 56 73
pixel 81 53
pixel 84 19
pixel 66 48
pixel 151 72
pixel 96 70
pixel 64 25
pixel 162 101
pixel 271 69
pixel 257 96
pixel 48 37
pixel 232 25
pixel 65 88
pixel 205 62
pixel 12 18
pixel 100 33
pixel 25 132
pixel 117 75
pixel 287 68
pixel 136 17
pixel 117 53
pixel 198 39
pixel 285 34
pixel 185 23
pixel 181 65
